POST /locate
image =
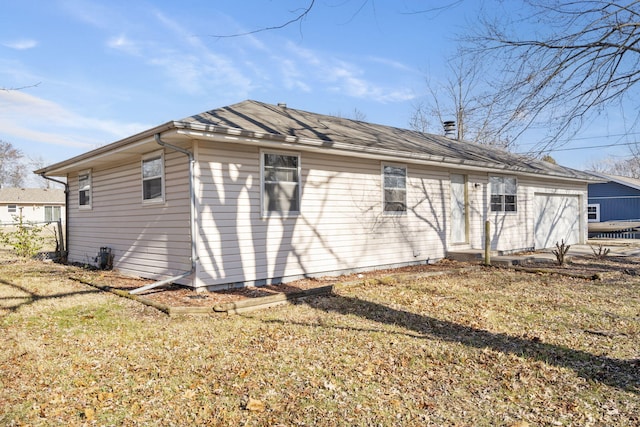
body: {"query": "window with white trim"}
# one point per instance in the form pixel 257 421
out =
pixel 153 178
pixel 504 190
pixel 593 212
pixel 51 213
pixel 394 183
pixel 12 208
pixel 84 189
pixel 280 183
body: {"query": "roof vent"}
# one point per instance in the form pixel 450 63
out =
pixel 282 104
pixel 450 129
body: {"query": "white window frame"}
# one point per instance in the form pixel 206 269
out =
pixel 148 157
pixel 12 208
pixel 265 212
pixel 597 212
pixel 384 188
pixel 503 195
pixel 89 176
pixel 52 213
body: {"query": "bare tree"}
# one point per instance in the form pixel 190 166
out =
pixel 356 114
pixel 562 61
pixel 12 169
pixel 465 98
pixel 629 167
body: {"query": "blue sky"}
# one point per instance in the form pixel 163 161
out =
pixel 108 69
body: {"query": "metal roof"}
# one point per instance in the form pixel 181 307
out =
pixel 619 179
pixel 305 130
pixel 31 196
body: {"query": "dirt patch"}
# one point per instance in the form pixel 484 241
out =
pixel 179 296
pixel 586 267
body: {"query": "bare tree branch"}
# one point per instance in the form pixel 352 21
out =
pixel 8 89
pixel 298 18
pixel 585 55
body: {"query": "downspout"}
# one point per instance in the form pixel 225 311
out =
pixel 66 213
pixel 192 220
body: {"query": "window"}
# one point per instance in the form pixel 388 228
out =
pixel 51 213
pixel 152 177
pixel 593 212
pixel 12 208
pixel 394 183
pixel 281 183
pixel 503 194
pixel 84 189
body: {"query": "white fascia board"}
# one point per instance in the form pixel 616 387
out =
pixel 85 160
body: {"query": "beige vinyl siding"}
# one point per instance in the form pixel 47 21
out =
pixel 341 225
pixel 147 240
pixel 512 231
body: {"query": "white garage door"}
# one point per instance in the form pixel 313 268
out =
pixel 557 218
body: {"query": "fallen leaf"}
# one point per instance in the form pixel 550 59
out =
pixel 329 385
pixel 255 405
pixel 89 414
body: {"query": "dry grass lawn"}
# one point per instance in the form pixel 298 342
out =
pixel 489 347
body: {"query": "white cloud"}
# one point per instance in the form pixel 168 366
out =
pixel 91 13
pixel 27 117
pixel 190 64
pixel 342 76
pixel 393 64
pixel 21 44
pixel 124 44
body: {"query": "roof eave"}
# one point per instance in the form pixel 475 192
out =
pixel 197 130
pixel 610 178
pixel 237 135
pixel 60 168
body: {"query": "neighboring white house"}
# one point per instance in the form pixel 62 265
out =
pixel 33 204
pixel 277 193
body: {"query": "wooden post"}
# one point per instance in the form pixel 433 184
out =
pixel 60 239
pixel 487 243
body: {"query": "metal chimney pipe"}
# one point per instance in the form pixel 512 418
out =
pixel 449 129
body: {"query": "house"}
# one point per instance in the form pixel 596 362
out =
pixel 34 205
pixel 613 203
pixel 255 193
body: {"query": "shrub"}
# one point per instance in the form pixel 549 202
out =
pixel 601 252
pixel 560 252
pixel 26 240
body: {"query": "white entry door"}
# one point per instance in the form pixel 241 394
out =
pixel 458 209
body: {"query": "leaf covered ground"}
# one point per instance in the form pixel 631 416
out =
pixel 485 347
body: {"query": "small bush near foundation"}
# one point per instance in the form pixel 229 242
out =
pixel 600 252
pixel 560 252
